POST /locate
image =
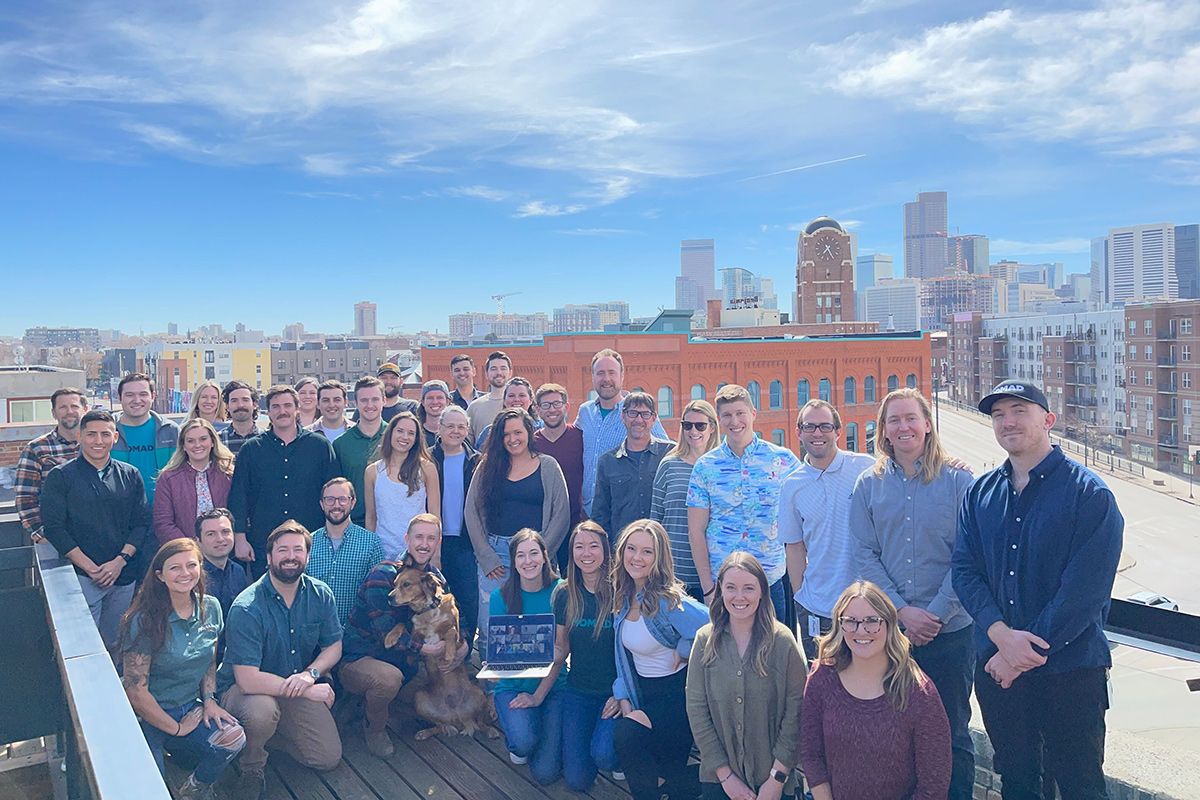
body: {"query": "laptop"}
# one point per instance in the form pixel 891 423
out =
pixel 519 646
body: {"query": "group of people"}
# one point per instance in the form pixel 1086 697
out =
pixel 241 577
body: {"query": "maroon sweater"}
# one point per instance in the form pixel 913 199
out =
pixel 866 750
pixel 568 452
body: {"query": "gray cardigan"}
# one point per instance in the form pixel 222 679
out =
pixel 556 514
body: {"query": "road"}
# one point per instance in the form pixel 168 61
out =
pixel 1162 533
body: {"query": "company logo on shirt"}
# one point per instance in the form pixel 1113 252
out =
pixel 141 448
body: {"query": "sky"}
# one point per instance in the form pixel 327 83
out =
pixel 274 162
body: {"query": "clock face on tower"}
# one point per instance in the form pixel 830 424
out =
pixel 827 247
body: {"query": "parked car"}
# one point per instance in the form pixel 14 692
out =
pixel 1153 600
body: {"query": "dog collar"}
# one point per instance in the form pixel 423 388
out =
pixel 432 605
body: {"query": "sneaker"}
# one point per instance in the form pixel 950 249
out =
pixel 192 789
pixel 250 786
pixel 378 742
pixel 618 776
pixel 516 759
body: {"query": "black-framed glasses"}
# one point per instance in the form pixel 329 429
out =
pixel 868 625
pixel 813 427
pixel 645 414
pixel 551 406
pixel 700 426
pixel 337 501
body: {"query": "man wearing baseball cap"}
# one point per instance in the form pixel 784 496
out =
pixel 393 403
pixel 1039 539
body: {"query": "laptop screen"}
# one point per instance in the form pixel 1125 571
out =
pixel 520 639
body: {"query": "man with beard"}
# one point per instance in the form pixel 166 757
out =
pixel 482 410
pixel 342 552
pixel 625 476
pixel 603 429
pixel 278 476
pixel 241 403
pixel 282 635
pixel 393 403
pixel 462 370
pixel 564 443
pixel 373 670
pixel 45 453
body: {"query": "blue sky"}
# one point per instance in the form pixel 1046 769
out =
pixel 276 162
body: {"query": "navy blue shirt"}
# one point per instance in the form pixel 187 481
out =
pixel 1041 561
pixel 225 584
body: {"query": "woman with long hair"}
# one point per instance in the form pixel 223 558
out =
pixel 518 393
pixel 745 689
pixel 169 653
pixel 698 433
pixel 401 484
pixel 530 709
pixel 584 631
pixel 208 404
pixel 514 487
pixel 654 625
pixel 873 724
pixel 309 390
pixel 196 479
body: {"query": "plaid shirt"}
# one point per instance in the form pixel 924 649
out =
pixel 344 569
pixel 39 457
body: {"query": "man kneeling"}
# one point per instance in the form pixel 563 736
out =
pixel 281 637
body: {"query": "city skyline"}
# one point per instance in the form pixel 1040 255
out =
pixel 327 153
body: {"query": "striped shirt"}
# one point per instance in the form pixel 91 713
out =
pixel 345 568
pixel 37 458
pixel 601 433
pixel 669 506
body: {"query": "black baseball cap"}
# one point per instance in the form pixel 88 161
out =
pixel 1018 389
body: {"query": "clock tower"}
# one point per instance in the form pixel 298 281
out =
pixel 824 273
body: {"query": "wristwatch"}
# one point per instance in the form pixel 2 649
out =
pixel 779 775
pixel 316 674
pixel 125 556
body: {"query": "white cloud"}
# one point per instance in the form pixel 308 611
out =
pixel 597 232
pixel 481 192
pixel 325 165
pixel 1006 247
pixel 538 208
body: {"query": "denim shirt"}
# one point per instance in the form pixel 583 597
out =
pixel 670 627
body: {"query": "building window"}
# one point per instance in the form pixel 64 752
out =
pixel 1149 352
pixel 698 391
pixel 776 394
pixel 210 357
pixel 1185 325
pixel 1186 377
pixel 308 363
pixel 282 365
pixel 802 392
pixel 258 369
pixel 755 394
pixel 29 411
pixel 1133 377
pixel 869 389
pixel 1149 327
pixel 849 392
pixel 852 437
pixel 911 381
pixel 1149 378
pixel 825 390
pixel 893 383
pixel 777 437
pixel 1132 328
pixel 871 437
pixel 332 363
pixel 1185 352
pixel 666 403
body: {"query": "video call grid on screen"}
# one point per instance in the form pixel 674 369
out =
pixel 520 640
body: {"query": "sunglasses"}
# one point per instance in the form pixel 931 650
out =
pixel 699 426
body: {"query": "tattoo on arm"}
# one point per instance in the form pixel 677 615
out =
pixel 209 684
pixel 137 671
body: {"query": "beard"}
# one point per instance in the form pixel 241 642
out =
pixel 285 574
pixel 391 391
pixel 337 516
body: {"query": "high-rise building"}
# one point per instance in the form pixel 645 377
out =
pixel 870 270
pixel 971 253
pixel 172 329
pixel 365 319
pixel 824 273
pixel 61 337
pixel 1187 260
pixel 1163 342
pixel 1141 263
pixel 926 243
pixel 1101 292
pixel 510 326
pixel 894 304
pixel 942 298
pixel 766 293
pixel 293 332
pixel 590 317
pixel 696 283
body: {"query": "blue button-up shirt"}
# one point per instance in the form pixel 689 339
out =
pixel 601 434
pixel 1041 561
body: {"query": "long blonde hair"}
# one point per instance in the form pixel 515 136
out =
pixel 933 456
pixel 573 583
pixel 761 639
pixel 660 585
pixel 902 672
pixel 194 411
pixel 683 448
pixel 220 455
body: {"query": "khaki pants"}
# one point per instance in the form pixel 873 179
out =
pixel 377 680
pixel 303 728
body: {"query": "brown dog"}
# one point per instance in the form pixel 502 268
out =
pixel 452 701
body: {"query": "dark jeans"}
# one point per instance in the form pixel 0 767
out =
pixel 949 661
pixel 587 743
pixel 210 760
pixel 1060 715
pixel 458 567
pixel 534 733
pixel 646 754
pixel 808 641
pixel 779 600
pixel 714 791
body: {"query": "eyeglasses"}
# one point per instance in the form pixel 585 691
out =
pixel 551 406
pixel 868 625
pixel 811 427
pixel 336 501
pixel 632 413
pixel 700 426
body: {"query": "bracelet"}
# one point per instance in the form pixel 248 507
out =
pixel 727 777
pixel 178 727
pixel 710 591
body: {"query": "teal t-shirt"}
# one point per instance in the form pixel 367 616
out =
pixel 531 603
pixel 178 667
pixel 593 663
pixel 142 455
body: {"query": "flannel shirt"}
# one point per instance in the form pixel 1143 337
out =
pixel 373 616
pixel 37 458
pixel 344 569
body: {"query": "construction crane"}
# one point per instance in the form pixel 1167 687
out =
pixel 499 298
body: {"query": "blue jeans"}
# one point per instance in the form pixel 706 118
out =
pixel 534 733
pixel 587 740
pixel 779 600
pixel 211 760
pixel 486 587
pixel 949 661
pixel 459 568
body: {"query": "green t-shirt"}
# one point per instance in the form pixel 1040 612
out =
pixel 178 667
pixel 354 451
pixel 142 455
pixel 593 663
pixel 531 603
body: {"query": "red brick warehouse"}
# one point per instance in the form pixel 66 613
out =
pixel 852 372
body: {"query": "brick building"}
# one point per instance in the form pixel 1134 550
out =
pixel 963 377
pixel 1163 353
pixel 852 372
pixel 824 273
